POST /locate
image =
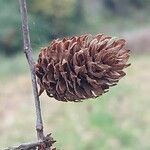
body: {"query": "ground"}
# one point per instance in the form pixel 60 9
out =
pixel 118 120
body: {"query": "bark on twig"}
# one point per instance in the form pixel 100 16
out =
pixel 44 142
pixel 40 145
pixel 29 56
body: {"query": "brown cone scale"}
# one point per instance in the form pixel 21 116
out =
pixel 78 68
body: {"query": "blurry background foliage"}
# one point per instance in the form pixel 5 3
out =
pixel 51 19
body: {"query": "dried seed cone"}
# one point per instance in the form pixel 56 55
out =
pixel 77 68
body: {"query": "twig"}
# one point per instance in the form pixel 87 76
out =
pixel 45 144
pixel 29 56
pixel 25 146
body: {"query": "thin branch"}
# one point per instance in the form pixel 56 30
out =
pixel 44 142
pixel 29 56
pixel 26 146
pixel 47 143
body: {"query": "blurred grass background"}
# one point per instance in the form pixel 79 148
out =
pixel 119 119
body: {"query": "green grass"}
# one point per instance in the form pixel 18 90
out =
pixel 12 66
pixel 117 120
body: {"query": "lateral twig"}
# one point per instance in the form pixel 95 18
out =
pixel 45 144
